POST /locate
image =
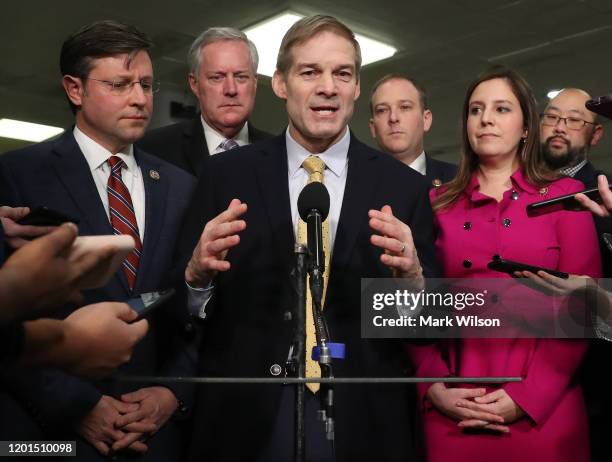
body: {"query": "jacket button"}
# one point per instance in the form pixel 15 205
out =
pixel 514 195
pixel 287 315
pixel 467 263
pixel 467 225
pixel 275 369
pixel 507 222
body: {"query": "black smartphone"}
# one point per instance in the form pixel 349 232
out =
pixel 145 304
pixel 567 202
pixel 44 216
pixel 509 266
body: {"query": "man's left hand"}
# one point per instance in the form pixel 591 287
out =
pixel 395 238
pixel 157 404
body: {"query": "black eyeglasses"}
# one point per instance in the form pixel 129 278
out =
pixel 123 87
pixel 573 123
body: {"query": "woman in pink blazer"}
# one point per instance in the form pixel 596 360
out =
pixel 480 214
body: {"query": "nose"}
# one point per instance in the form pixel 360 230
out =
pixel 560 126
pixel 486 117
pixel 327 85
pixel 137 95
pixel 229 86
pixel 393 116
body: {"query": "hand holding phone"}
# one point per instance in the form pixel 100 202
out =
pixel 510 267
pixel 145 304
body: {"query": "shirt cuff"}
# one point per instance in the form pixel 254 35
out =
pixel 198 298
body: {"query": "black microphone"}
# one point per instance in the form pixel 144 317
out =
pixel 601 105
pixel 313 206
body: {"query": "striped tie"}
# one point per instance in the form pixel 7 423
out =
pixel 228 144
pixel 122 217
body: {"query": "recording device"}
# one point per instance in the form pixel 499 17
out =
pixel 313 207
pixel 99 275
pixel 44 216
pixel 145 304
pixel 567 202
pixel 509 266
pixel 601 105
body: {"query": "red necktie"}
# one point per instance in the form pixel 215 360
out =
pixel 122 216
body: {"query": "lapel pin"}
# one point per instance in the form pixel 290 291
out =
pixel 543 191
pixel 437 183
pixel 154 174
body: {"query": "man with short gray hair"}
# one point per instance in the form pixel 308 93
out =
pixel 223 77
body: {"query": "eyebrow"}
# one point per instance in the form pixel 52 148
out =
pixel 497 101
pixel 577 111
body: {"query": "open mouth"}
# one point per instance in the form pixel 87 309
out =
pixel 324 110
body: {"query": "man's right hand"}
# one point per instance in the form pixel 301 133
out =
pixel 98 338
pixel 18 235
pixel 98 427
pixel 42 275
pixel 604 209
pixel 220 234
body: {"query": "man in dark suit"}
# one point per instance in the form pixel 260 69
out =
pixel 380 224
pixel 400 117
pixel 223 77
pixel 93 174
pixel 567 131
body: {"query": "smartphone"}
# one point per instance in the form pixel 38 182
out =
pixel 44 216
pixel 100 274
pixel 509 266
pixel 145 304
pixel 567 202
pixel 601 105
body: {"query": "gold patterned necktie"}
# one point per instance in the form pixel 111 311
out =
pixel 315 168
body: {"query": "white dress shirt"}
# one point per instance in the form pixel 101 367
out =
pixel 336 169
pixel 214 138
pixel 96 157
pixel 419 164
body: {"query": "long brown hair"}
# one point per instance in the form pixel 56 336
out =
pixel 530 159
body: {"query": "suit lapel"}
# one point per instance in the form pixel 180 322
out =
pixel 73 171
pixel 271 173
pixel 195 147
pixel 156 191
pixel 360 186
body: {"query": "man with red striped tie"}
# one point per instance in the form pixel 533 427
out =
pixel 94 173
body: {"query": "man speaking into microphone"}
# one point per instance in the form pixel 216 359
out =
pixel 244 223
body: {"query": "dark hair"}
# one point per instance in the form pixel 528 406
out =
pixel 306 28
pixel 530 159
pixel 98 40
pixel 397 76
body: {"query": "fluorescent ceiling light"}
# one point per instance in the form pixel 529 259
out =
pixel 267 37
pixel 552 93
pixel 26 131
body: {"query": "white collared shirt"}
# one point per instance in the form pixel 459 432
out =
pixel 420 164
pixel 336 169
pixel 214 138
pixel 96 157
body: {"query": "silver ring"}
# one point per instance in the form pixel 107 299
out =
pixel 403 248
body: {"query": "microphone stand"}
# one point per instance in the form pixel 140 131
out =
pixel 297 353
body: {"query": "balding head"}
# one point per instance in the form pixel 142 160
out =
pixel 568 129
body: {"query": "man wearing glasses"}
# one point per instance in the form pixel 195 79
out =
pixel 94 174
pixel 567 131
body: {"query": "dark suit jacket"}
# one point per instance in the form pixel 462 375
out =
pixel 184 145
pixel 55 174
pixel 248 327
pixel 588 175
pixel 438 172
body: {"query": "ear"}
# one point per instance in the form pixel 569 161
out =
pixel 279 86
pixel 357 90
pixel 597 134
pixel 193 84
pixel 372 128
pixel 427 120
pixel 74 88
